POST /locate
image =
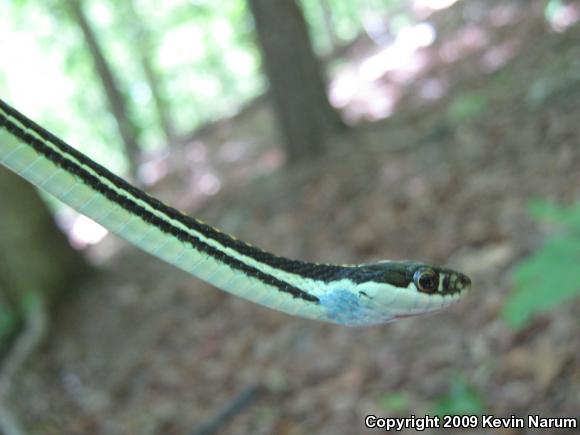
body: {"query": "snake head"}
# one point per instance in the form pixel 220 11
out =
pixel 390 290
pixel 421 277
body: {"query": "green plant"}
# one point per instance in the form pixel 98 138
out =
pixel 550 276
pixel 8 323
pixel 461 399
pixel 466 107
pixel 396 402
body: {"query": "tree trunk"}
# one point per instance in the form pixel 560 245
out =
pixel 161 107
pixel 115 97
pixel 327 18
pixel 297 86
pixel 145 47
pixel 35 256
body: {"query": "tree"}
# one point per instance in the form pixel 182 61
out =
pixel 35 257
pixel 297 86
pixel 329 25
pixel 116 99
pixel 145 48
pixel 36 266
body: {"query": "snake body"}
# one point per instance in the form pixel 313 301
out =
pixel 363 294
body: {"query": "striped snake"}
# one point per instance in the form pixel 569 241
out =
pixel 364 294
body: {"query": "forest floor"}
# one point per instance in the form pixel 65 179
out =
pixel 485 119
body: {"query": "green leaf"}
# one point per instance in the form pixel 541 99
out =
pixel 396 402
pixel 550 276
pixel 466 107
pixel 552 8
pixel 544 280
pixel 8 323
pixel 462 399
pixel 566 216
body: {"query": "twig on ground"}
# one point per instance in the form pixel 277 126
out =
pixel 229 411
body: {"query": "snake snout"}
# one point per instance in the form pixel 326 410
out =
pixel 453 282
pixel 462 283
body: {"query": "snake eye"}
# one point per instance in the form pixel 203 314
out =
pixel 426 281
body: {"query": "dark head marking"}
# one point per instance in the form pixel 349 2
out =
pixel 426 279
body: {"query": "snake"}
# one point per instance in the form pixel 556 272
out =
pixel 353 294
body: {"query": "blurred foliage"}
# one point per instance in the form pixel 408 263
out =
pixel 203 53
pixel 395 403
pixel 8 323
pixel 462 399
pixel 552 8
pixel 467 107
pixel 567 217
pixel 550 276
pixel 11 315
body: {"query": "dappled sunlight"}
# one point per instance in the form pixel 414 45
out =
pixel 196 152
pixel 371 89
pixel 432 5
pixel 81 230
pixel 503 15
pixel 208 184
pixel 562 16
pixel 200 183
pixel 496 57
pixel 154 168
pixel 401 55
pixel 178 49
pixel 233 151
pixel 21 78
pixel 467 40
pixel 432 89
pixel 408 63
pixel 271 160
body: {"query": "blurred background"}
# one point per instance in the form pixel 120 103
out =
pixel 327 130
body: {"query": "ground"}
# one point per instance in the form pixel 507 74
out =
pixel 446 178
